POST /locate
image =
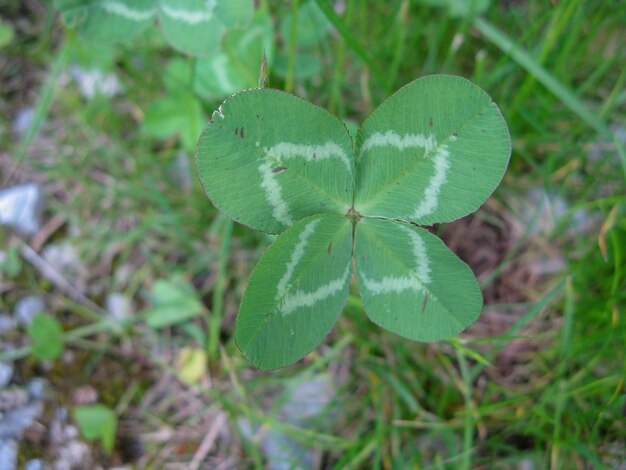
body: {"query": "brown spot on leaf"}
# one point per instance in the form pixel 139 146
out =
pixel 278 169
pixel 425 302
pixel 430 121
pixel 329 248
pixel 236 131
pixel 241 133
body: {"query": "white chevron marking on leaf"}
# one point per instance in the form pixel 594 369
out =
pixel 192 17
pixel 310 153
pixel 301 299
pixel 274 193
pixel 121 9
pixel 431 193
pixel 421 272
pixel 391 284
pixel 285 151
pixel 422 264
pixel 296 256
pixel 441 161
pixel 393 139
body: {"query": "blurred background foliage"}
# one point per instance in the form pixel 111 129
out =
pixel 122 290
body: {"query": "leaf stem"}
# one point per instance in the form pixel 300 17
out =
pixel 217 310
pixel 293 39
pixel 468 421
pixel 107 325
pixel 338 75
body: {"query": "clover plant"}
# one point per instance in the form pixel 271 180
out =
pixel 195 27
pixel 432 152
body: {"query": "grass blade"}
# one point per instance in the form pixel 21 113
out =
pixel 543 76
pixel 528 63
pixel 352 41
pixel 217 310
pixel 44 102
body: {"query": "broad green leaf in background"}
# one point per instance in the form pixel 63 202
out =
pixel 234 13
pixel 180 113
pixel 174 301
pixel 432 152
pixel 46 335
pixel 191 26
pixel 268 158
pixel 108 20
pixel 195 27
pixel 178 75
pixel 411 283
pixel 245 47
pixel 97 422
pixel 216 76
pixel 236 67
pixel 296 291
pixel 312 25
pixel 307 65
pixel 90 55
pixel 6 33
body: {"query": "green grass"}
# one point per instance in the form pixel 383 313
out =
pixel 556 72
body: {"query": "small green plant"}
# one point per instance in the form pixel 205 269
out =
pixel 97 422
pixel 46 335
pixel 432 152
pixel 10 263
pixel 174 301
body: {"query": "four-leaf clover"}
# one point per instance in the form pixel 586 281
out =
pixel 433 152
